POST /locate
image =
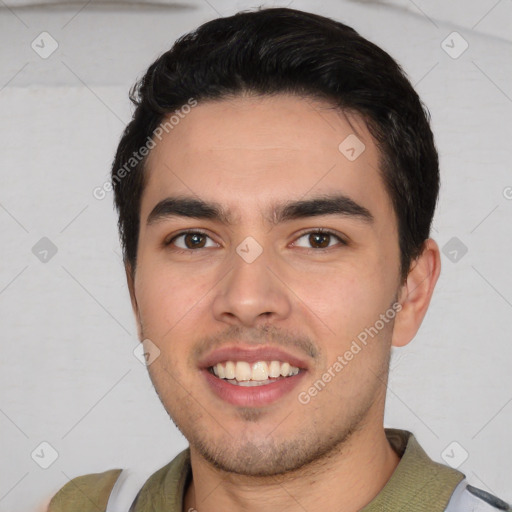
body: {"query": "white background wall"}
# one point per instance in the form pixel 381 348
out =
pixel 68 375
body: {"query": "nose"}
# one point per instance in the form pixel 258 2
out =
pixel 253 292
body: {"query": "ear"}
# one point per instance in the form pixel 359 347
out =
pixel 416 292
pixel 131 288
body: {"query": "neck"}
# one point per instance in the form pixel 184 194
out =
pixel 346 480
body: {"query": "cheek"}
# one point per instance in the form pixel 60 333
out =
pixel 164 296
pixel 347 299
pixel 357 345
pixel 350 302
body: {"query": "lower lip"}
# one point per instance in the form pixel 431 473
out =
pixel 253 396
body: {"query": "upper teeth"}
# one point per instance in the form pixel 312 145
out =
pixel 261 370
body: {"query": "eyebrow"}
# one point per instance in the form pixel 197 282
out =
pixel 338 204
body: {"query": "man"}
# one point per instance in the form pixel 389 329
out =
pixel 275 191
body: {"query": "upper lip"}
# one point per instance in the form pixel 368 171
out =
pixel 251 355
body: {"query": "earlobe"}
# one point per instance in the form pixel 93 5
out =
pixel 131 288
pixel 416 293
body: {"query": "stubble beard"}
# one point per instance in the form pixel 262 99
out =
pixel 307 452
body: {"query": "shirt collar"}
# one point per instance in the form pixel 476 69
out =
pixel 418 484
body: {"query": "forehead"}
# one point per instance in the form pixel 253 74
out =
pixel 248 152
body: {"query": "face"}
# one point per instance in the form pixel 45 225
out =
pixel 284 247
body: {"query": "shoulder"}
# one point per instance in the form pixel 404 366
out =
pixel 467 498
pixel 485 500
pixel 94 491
pixel 87 493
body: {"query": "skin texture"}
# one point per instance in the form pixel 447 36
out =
pixel 249 153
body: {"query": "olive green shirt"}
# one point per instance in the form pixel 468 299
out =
pixel 418 484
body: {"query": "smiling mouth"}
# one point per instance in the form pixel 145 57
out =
pixel 260 373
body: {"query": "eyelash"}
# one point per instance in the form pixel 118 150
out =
pixel 199 232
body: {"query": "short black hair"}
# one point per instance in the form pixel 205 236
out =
pixel 270 51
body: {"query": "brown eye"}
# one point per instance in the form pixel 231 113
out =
pixel 194 240
pixel 320 239
pixel 190 240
